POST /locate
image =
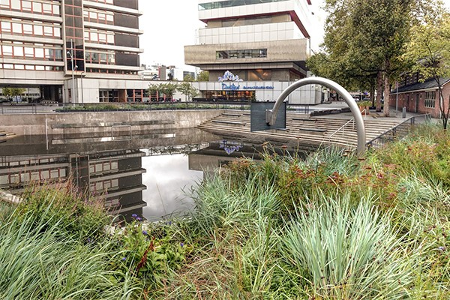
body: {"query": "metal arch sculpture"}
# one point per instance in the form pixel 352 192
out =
pixel 271 115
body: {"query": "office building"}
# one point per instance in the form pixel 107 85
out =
pixel 253 49
pixel 76 51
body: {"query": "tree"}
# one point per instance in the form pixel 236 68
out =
pixel 429 49
pixel 10 92
pixel 188 90
pixel 203 76
pixel 168 89
pixel 188 78
pixel 365 41
pixel 155 89
pixel 165 89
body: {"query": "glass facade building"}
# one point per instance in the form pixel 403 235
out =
pixel 61 45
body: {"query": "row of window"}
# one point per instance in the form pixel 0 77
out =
pixel 30 176
pixel 114 71
pixel 103 167
pixel 430 99
pixel 232 3
pixel 30 6
pixel 104 58
pixel 103 1
pixel 103 186
pixel 61 68
pixel 249 53
pixel 37 51
pixel 31 67
pixel 31 28
pixel 246 21
pixel 99 36
pixel 98 16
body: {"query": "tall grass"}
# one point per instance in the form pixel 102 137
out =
pixel 348 253
pixel 327 227
pixel 37 263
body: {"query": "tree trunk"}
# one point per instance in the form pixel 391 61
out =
pixel 387 95
pixel 444 111
pixel 372 94
pixel 379 90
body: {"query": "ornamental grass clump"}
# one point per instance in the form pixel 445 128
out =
pixel 346 252
pixel 39 260
pixel 235 236
pixel 75 213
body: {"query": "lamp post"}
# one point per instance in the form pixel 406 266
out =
pixel 82 91
pixel 73 75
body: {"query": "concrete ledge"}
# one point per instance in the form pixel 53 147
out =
pixel 85 122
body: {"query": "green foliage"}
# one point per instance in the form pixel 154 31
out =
pixel 188 90
pixel 13 92
pixel 348 253
pixel 150 252
pixel 42 260
pixel 188 78
pixel 203 76
pixel 429 52
pixel 364 103
pixel 167 89
pixel 75 214
pixel 364 43
pixel 329 226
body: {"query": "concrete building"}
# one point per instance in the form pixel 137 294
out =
pixel 253 49
pixel 72 50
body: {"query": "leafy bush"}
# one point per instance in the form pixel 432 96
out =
pixel 150 252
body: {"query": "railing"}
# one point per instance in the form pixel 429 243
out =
pixel 340 130
pixel 22 109
pixel 398 132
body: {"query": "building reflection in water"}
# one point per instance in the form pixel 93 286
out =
pixel 110 168
pixel 149 176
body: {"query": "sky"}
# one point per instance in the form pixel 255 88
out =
pixel 169 25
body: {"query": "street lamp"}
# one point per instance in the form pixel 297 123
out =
pixel 70 53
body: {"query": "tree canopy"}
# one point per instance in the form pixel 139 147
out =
pixel 188 90
pixel 365 42
pixel 429 51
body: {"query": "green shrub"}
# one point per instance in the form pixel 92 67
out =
pixel 150 252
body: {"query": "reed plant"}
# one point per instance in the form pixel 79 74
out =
pixel 40 261
pixel 348 252
pixel 75 213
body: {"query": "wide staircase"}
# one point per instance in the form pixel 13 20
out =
pixel 302 130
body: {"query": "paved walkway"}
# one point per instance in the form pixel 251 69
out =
pixel 394 115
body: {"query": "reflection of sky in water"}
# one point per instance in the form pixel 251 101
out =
pixel 169 181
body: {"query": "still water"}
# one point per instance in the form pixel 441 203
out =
pixel 169 185
pixel 151 175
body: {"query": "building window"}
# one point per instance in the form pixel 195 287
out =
pixel 235 54
pixel 430 99
pixel 231 3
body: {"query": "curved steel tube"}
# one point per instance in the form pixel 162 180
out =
pixel 271 115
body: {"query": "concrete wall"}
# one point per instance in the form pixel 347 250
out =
pixel 277 51
pixel 97 123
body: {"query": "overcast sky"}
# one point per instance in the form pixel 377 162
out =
pixel 169 25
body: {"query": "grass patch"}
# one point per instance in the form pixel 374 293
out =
pixel 326 227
